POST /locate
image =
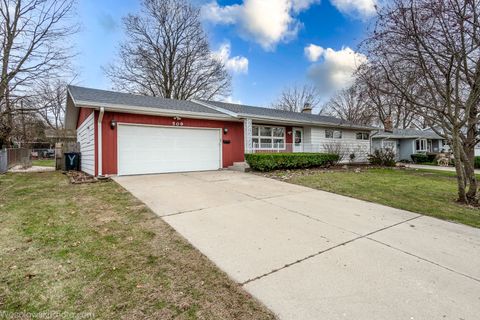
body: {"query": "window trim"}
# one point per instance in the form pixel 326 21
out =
pixel 364 134
pixel 333 134
pixel 425 145
pixel 272 137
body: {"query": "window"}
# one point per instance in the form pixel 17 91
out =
pixel 363 136
pixel 333 134
pixel 268 137
pixel 421 145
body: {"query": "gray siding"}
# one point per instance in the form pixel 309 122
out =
pixel 406 149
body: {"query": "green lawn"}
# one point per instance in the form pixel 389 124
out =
pixel 428 192
pixel 44 163
pixel 95 252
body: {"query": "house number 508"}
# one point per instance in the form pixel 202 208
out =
pixel 177 124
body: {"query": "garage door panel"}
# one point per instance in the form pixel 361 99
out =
pixel 149 149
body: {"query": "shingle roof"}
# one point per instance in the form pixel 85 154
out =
pixel 95 96
pixel 246 110
pixel 407 134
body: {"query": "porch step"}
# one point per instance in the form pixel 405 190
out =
pixel 240 166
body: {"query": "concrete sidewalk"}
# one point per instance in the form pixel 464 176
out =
pixel 309 254
pixel 439 168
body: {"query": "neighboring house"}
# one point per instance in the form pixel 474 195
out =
pixel 122 134
pixel 405 142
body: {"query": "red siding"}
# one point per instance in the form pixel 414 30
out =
pixel 82 115
pixel 232 152
pixel 289 137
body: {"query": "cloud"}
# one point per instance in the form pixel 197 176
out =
pixel 336 69
pixel 313 52
pixel 237 64
pixel 222 15
pixel 231 99
pixel 362 8
pixel 266 22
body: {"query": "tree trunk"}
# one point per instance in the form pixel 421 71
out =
pixel 469 154
pixel 461 181
pixel 468 159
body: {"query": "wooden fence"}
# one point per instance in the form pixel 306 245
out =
pixel 12 157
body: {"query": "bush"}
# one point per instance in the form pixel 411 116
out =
pixel 382 157
pixel 273 161
pixel 423 158
pixel 476 163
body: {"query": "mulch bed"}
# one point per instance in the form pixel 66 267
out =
pixel 78 177
pixel 289 174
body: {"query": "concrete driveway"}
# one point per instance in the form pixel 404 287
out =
pixel 309 254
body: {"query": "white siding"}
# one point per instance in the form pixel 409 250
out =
pixel 86 138
pixel 315 140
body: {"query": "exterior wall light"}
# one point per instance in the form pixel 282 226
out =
pixel 225 130
pixel 113 124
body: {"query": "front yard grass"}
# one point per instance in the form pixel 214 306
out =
pixel 44 162
pixel 94 251
pixel 431 193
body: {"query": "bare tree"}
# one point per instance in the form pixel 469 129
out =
pixel 429 51
pixel 295 97
pixel 167 54
pixel 49 101
pixel 351 104
pixel 34 45
pixel 384 101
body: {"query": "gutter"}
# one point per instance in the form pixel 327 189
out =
pixel 310 123
pixel 99 141
pixel 150 110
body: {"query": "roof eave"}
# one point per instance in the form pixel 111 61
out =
pixel 150 110
pixel 71 112
pixel 301 122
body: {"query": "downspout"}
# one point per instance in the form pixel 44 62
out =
pixel 371 140
pixel 99 140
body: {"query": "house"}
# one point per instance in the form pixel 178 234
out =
pixel 123 134
pixel 405 142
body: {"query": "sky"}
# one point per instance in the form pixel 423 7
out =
pixel 266 45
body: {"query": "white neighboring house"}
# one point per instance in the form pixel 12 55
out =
pixel 477 150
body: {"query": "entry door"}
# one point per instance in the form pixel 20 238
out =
pixel 155 149
pixel 297 140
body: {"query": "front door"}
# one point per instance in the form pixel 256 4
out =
pixel 297 140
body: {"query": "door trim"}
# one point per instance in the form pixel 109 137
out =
pixel 293 139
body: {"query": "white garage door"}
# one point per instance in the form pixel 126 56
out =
pixel 151 149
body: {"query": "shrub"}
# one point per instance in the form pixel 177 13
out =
pixel 420 158
pixel 273 161
pixel 476 163
pixel 382 157
pixel 352 157
pixel 335 148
